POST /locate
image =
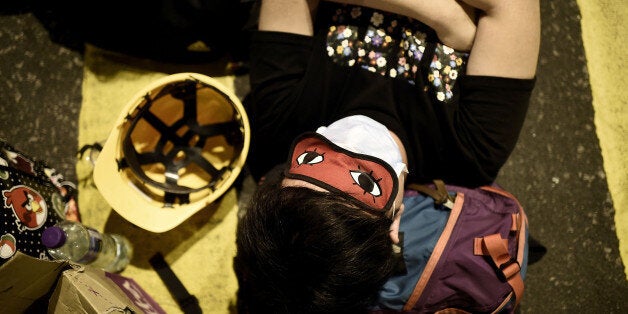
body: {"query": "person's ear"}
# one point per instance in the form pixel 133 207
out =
pixel 394 227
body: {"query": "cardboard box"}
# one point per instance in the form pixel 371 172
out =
pixel 69 288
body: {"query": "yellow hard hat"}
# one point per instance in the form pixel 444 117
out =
pixel 176 147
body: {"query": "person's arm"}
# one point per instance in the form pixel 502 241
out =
pixel 507 38
pixel 288 16
pixel 495 92
pixel 453 21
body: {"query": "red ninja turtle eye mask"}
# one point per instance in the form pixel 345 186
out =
pixel 370 180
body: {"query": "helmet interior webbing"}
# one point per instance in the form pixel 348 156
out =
pixel 186 91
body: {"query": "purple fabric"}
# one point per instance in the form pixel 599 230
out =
pixel 459 270
pixel 460 280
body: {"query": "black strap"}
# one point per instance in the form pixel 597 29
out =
pixel 187 302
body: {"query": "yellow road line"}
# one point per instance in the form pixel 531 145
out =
pixel 604 34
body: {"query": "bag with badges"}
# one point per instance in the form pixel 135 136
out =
pixel 34 197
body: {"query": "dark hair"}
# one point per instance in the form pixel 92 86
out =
pixel 305 251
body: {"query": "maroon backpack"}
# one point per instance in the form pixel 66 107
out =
pixel 464 251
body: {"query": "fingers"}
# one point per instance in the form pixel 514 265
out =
pixel 394 227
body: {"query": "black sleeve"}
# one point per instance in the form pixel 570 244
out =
pixel 278 64
pixel 489 119
pixel 278 61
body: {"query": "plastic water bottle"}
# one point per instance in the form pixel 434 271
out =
pixel 72 241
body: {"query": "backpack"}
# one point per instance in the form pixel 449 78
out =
pixel 464 251
pixel 34 197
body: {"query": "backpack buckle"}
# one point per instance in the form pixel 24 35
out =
pixel 509 269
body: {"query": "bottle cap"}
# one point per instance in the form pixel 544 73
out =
pixel 53 237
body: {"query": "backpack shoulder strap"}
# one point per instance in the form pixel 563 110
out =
pixel 437 252
pixel 508 267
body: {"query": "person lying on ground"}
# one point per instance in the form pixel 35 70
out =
pixel 360 101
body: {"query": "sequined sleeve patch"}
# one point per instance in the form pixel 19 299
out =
pixel 394 46
pixel 445 67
